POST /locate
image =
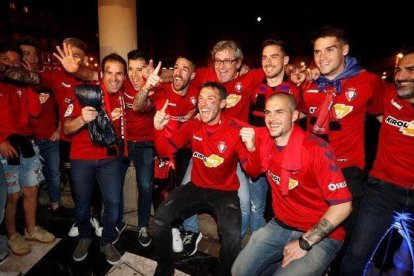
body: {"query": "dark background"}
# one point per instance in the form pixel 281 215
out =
pixel 168 27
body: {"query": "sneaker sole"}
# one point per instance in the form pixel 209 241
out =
pixel 196 244
pixel 36 240
pixel 145 244
pixel 21 254
pixel 113 263
pixel 4 260
pixel 81 258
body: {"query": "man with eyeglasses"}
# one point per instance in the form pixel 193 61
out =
pixel 227 57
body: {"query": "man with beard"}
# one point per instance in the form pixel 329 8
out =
pixel 310 199
pixel 389 190
pixel 216 150
pixel 274 60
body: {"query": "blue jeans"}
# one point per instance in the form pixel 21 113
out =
pixel 84 176
pixel 258 191
pixel 142 155
pixel 3 192
pixel 191 224
pixel 265 248
pixel 188 199
pixel 49 151
pixel 380 204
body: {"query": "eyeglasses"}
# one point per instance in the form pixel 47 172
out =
pixel 226 62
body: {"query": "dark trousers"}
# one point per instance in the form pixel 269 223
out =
pixel 189 199
pixel 381 202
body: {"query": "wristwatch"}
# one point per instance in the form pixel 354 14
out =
pixel 304 244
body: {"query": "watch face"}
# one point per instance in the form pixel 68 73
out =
pixel 304 244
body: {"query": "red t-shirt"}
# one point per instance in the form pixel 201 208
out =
pixel 82 146
pixel 62 85
pixel 18 104
pixel 46 123
pixel 318 184
pixel 360 94
pixel 180 108
pixel 263 92
pixel 395 155
pixel 240 91
pixel 216 151
pixel 139 125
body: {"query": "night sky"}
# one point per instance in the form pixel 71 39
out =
pixel 163 25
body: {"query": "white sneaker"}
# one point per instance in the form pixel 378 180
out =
pixel 74 231
pixel 177 243
pixel 98 228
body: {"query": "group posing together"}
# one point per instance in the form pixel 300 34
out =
pixel 229 134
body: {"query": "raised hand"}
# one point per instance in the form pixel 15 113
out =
pixel 148 70
pixel 66 58
pixel 161 118
pixel 153 78
pixel 248 135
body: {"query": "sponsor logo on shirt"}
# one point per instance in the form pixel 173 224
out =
pixel 335 186
pixel 342 110
pixel 232 100
pixel 67 85
pixel 211 161
pixel 293 183
pixel 312 91
pixel 407 128
pixel 69 110
pixel 116 114
pixel 350 94
pixel 312 109
pixel 197 138
pixel 396 105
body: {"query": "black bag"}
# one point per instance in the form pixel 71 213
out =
pixel 101 131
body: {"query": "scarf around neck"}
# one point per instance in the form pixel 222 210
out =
pixel 331 88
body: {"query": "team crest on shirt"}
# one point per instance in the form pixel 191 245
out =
pixel 116 114
pixel 341 110
pixel 69 110
pixel 193 101
pixel 239 87
pixel 232 100
pixel 350 94
pixel 19 93
pixel 222 147
pixel 211 161
pixel 43 97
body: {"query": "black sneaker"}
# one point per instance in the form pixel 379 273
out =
pixel 81 250
pixel 62 212
pixel 191 241
pixel 111 253
pixel 164 270
pixel 143 237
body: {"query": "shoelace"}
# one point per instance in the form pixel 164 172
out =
pixel 143 232
pixel 188 238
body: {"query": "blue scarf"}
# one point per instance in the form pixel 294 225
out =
pixel 352 68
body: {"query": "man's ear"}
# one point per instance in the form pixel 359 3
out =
pixel 285 60
pixel 223 103
pixel 193 74
pixel 345 50
pixel 295 116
